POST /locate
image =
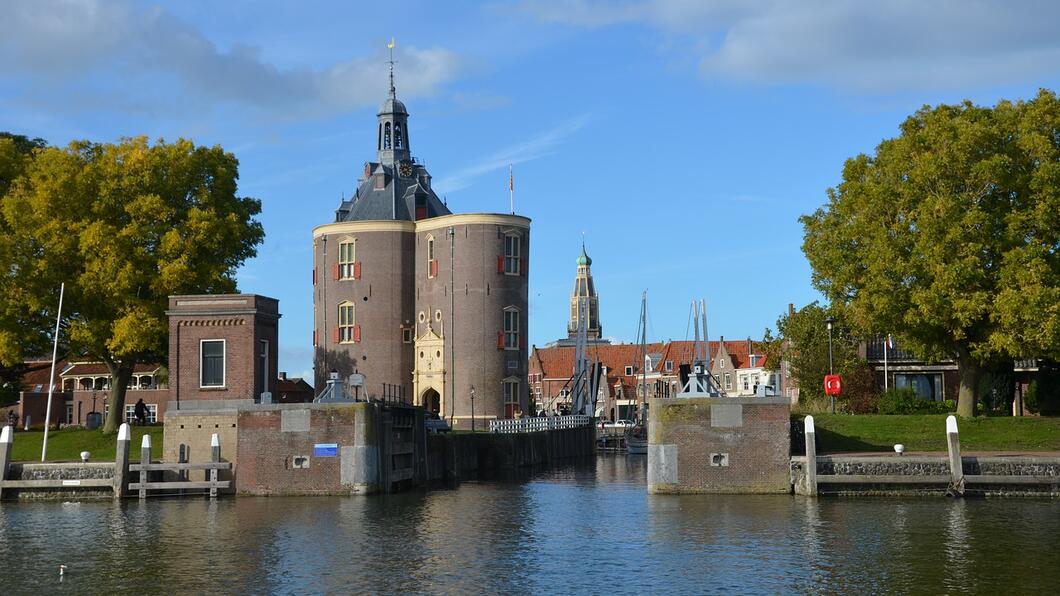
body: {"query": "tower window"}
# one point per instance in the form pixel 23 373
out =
pixel 511 328
pixel 406 335
pixel 511 254
pixel 346 322
pixel 432 264
pixel 386 136
pixel 398 140
pixel 347 258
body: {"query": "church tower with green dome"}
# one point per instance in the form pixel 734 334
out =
pixel 584 292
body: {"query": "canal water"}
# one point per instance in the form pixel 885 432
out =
pixel 587 528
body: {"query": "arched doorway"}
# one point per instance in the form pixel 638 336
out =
pixel 432 401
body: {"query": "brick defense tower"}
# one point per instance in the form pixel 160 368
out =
pixel 424 303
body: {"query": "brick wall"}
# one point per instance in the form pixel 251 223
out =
pixel 719 445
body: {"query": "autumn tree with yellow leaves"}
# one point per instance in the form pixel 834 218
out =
pixel 125 226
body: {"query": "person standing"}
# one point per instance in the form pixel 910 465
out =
pixel 140 411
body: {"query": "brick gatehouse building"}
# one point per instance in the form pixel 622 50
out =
pixel 427 305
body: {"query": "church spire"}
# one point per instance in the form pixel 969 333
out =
pixel 584 292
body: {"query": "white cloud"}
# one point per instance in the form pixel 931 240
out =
pixel 893 45
pixel 68 41
pixel 538 146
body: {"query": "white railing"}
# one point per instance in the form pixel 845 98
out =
pixel 536 424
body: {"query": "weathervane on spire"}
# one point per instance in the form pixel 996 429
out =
pixel 390 46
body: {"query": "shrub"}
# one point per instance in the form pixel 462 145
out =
pixel 1043 394
pixel 906 401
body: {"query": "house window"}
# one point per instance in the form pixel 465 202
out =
pixel 152 413
pixel 629 371
pixel 406 335
pixel 728 381
pixel 212 363
pixel 511 254
pixel 432 265
pixel 721 363
pixel 346 322
pixel 746 382
pixel 668 366
pixel 511 329
pixel 347 257
pixel 754 361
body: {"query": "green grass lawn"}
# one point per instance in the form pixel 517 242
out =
pixel 67 444
pixel 837 433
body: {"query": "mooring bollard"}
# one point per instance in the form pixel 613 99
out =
pixel 121 461
pixel 145 460
pixel 953 444
pixel 7 440
pixel 182 458
pixel 811 458
pixel 215 457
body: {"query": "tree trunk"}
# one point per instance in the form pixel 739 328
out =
pixel 120 374
pixel 968 371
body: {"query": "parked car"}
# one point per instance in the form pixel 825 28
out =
pixel 619 424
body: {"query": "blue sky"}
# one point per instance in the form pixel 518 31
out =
pixel 684 138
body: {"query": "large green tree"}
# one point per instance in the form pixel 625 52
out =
pixel 949 236
pixel 125 226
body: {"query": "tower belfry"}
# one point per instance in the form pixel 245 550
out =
pixel 584 294
pixel 393 144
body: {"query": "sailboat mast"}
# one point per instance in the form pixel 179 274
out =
pixel 643 353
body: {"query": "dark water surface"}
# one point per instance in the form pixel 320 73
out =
pixel 589 528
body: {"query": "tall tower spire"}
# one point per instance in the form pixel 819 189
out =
pixel 583 300
pixel 393 140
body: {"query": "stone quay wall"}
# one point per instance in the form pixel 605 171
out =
pixel 1014 475
pixel 719 445
pixel 67 471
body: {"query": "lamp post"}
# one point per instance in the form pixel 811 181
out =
pixel 472 408
pixel 829 322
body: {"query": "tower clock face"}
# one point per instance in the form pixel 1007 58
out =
pixel 405 169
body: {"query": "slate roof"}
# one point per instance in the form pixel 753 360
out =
pixel 395 201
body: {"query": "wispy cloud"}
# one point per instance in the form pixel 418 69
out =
pixel 538 146
pixel 931 44
pixel 69 43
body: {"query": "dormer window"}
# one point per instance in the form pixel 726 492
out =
pixel 754 361
pixel 629 371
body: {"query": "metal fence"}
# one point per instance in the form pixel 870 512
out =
pixel 540 423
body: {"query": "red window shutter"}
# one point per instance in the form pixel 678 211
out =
pixel 500 264
pixel 500 340
pixel 357 333
pixel 335 271
pixel 434 267
pixel 357 270
pixel 335 334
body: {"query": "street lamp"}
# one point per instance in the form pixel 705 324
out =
pixel 829 322
pixel 472 408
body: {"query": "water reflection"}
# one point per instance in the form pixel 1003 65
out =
pixel 584 528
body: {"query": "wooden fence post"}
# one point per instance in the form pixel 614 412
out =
pixel 215 457
pixel 145 459
pixel 7 441
pixel 953 445
pixel 121 461
pixel 811 458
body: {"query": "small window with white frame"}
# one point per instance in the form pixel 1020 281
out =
pixel 212 363
pixel 668 366
pixel 431 267
pixel 406 335
pixel 728 381
pixel 347 257
pixel 511 328
pixel 629 371
pixel 511 391
pixel 511 254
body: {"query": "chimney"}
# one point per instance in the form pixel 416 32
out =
pixel 283 376
pixel 791 309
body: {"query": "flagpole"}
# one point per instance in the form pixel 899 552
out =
pixel 511 189
pixel 886 381
pixel 51 379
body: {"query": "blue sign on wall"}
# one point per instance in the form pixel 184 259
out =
pixel 326 450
